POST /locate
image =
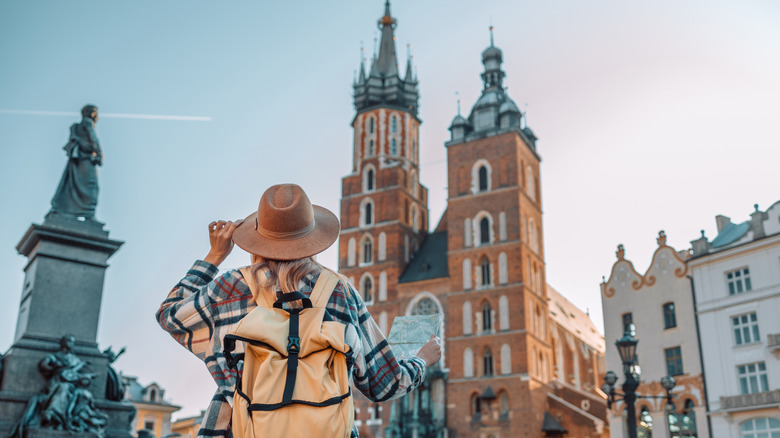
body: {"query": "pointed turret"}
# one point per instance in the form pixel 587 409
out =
pixel 383 85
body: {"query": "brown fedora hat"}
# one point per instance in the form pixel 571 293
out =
pixel 286 226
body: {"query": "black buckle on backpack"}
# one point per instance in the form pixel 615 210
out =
pixel 293 344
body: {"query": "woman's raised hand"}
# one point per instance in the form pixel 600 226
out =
pixel 221 240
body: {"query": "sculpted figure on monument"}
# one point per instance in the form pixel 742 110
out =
pixel 77 192
pixel 66 403
pixel 115 388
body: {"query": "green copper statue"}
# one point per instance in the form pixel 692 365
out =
pixel 76 196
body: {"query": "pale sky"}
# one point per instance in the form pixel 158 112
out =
pixel 650 116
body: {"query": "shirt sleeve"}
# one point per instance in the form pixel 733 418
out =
pixel 378 374
pixel 186 312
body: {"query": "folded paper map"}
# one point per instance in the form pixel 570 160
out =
pixel 409 333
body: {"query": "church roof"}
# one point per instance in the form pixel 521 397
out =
pixel 430 261
pixel 574 320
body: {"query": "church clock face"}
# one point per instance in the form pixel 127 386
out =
pixel 425 306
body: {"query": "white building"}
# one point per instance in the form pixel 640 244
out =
pixel 660 305
pixel 736 280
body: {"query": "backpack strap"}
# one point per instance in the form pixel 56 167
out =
pixel 258 292
pixel 324 287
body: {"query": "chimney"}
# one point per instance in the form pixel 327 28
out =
pixel 757 222
pixel 722 221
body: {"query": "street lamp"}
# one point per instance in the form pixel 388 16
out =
pixel 627 349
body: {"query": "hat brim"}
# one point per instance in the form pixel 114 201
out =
pixel 325 232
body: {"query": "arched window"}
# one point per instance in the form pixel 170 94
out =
pixel 475 407
pixel 468 363
pixel 487 317
pixel 368 213
pixel 506 359
pixel 382 246
pixel 383 286
pixel 367 248
pixel 351 251
pixel 485 271
pixel 467 318
pixel 466 274
pixel 367 289
pixel 503 313
pixel 503 274
pixel 502 226
pixel 415 223
pixel 371 148
pixel 688 419
pixel 483 178
pixel 760 427
pixel 371 125
pixel 484 231
pixel 425 306
pixel 503 401
pixel 383 322
pixel 393 124
pixel 530 187
pixel 481 175
pixel 370 179
pixel 487 363
pixel 533 236
pixel 467 232
pixel 645 425
pixel 393 147
pixel 152 395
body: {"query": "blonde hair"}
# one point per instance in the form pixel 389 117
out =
pixel 285 274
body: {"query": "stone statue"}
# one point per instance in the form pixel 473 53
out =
pixel 115 388
pixel 66 403
pixel 77 192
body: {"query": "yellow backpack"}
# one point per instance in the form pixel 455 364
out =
pixel 295 381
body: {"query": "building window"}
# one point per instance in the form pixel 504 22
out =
pixel 425 306
pixel 761 428
pixel 371 148
pixel 504 405
pixel 686 426
pixel 467 318
pixel 485 271
pixel 393 147
pixel 483 178
pixel 484 231
pixel 487 363
pixel 745 329
pixel 674 363
pixel 368 251
pixel 487 319
pixel 468 363
pixel 628 319
pixel 752 378
pixel 645 427
pixel 371 125
pixel 393 124
pixel 738 281
pixel 368 213
pixel 370 179
pixel 670 319
pixel 367 289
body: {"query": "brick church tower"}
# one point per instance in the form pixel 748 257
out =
pixel 512 367
pixel 498 345
pixel 384 208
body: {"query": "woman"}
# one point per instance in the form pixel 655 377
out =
pixel 283 236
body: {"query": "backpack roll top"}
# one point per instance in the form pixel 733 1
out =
pixel 295 374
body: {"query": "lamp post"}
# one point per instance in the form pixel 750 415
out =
pixel 627 349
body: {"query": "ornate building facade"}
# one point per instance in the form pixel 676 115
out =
pixel 503 372
pixel 660 305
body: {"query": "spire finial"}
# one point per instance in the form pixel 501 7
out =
pixel 491 35
pixel 457 95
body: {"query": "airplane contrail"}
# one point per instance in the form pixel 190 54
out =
pixel 109 115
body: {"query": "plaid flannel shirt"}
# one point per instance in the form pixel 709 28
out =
pixel 202 309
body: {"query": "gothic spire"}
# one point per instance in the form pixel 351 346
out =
pixel 387 62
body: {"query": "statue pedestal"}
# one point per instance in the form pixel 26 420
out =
pixel 62 292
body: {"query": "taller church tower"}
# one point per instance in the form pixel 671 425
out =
pixel 384 208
